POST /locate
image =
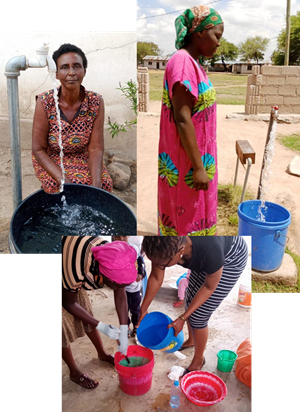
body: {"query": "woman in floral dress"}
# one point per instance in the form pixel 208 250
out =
pixel 82 119
pixel 187 187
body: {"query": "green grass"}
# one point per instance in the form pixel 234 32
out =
pixel 291 142
pixel 229 197
pixel 269 287
pixel 156 79
pixel 230 88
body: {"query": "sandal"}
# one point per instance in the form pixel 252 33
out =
pixel 85 378
pixel 129 333
pixel 106 360
pixel 186 347
pixel 178 303
pixel 188 371
pixel 134 332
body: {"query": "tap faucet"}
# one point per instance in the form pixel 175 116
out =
pixel 42 59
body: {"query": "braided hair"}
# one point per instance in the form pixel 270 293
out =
pixel 162 246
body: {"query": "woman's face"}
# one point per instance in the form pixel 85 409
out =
pixel 70 70
pixel 163 263
pixel 209 40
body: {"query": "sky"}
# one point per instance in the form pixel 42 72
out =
pixel 242 19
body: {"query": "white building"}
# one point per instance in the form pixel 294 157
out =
pixel 235 66
pixel 156 62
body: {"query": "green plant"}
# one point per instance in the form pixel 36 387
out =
pixel 130 93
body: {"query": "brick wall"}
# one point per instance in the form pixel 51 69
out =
pixel 273 86
pixel 143 89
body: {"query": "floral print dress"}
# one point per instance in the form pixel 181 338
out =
pixel 181 209
pixel 75 139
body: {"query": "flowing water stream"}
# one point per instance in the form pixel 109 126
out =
pixel 265 180
pixel 55 95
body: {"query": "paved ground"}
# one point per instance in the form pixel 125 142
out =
pixel 229 326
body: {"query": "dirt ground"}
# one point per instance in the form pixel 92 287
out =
pixel 282 187
pixel 229 326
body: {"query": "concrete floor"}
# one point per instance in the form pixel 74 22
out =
pixel 228 327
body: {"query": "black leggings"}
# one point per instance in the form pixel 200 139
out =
pixel 134 306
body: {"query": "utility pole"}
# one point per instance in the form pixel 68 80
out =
pixel 288 33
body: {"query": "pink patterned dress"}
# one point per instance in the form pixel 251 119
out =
pixel 75 139
pixel 181 209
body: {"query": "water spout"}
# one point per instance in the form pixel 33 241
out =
pixel 42 58
pixel 51 64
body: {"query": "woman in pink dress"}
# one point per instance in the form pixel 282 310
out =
pixel 187 186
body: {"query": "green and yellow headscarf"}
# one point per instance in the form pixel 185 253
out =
pixel 195 20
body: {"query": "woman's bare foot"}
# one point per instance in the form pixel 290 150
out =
pixel 83 380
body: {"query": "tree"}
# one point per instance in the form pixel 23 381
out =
pixel 228 50
pixel 253 48
pixel 294 56
pixel 145 49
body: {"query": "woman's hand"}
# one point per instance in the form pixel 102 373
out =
pixel 111 331
pixel 177 325
pixel 155 281
pixel 142 315
pixel 67 180
pixel 139 277
pixel 200 179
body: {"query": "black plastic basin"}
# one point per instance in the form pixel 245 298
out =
pixel 108 204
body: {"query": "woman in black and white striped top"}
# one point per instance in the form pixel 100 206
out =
pixel 216 264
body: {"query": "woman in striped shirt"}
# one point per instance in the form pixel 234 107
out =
pixel 216 263
pixel 89 262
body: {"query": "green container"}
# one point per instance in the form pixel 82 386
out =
pixel 226 359
pixel 134 361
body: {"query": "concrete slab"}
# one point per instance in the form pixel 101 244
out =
pixel 265 117
pixel 285 275
pixel 229 326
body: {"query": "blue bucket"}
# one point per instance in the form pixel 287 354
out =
pixel 153 333
pixel 269 237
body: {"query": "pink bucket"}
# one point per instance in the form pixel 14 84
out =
pixel 136 380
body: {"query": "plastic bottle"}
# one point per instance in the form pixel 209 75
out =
pixel 175 395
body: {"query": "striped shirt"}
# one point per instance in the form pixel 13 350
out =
pixel 79 267
pixel 208 253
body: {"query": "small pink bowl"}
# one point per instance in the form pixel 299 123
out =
pixel 203 388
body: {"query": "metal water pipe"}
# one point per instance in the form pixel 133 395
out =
pixel 12 71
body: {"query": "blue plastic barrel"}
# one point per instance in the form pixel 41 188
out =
pixel 153 333
pixel 269 236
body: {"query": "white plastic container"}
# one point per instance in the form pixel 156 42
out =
pixel 245 296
